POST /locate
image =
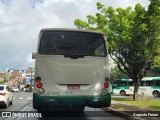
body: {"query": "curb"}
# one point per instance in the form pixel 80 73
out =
pixel 121 114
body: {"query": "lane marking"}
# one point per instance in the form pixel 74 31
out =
pixel 20 98
pixel 29 98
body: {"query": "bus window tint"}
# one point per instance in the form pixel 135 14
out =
pixel 149 83
pixel 100 50
pixel 123 83
pixel 115 83
pixel 119 83
pixel 157 82
pixel 72 43
pixel 143 83
pixel 131 83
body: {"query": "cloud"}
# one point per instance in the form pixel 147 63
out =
pixel 21 21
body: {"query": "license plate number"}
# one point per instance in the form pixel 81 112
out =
pixel 73 87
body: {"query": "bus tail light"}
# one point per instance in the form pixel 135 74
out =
pixel 39 85
pixel 107 80
pixel 106 85
pixel 38 79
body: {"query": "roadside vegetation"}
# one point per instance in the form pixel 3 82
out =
pixel 133 37
pixel 143 103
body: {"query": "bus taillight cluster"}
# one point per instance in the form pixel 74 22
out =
pixel 106 85
pixel 39 85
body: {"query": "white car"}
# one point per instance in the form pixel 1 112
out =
pixel 6 96
pixel 15 90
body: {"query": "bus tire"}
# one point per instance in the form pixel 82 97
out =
pixel 123 93
pixel 156 93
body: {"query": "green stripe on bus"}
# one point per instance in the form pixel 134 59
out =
pixel 72 100
pixel 121 87
pixel 156 79
pixel 155 87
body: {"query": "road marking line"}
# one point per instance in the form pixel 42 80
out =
pixel 30 108
pixel 20 98
pixel 29 98
pixel 16 102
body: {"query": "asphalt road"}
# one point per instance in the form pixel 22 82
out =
pixel 23 103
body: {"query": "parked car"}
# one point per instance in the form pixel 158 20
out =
pixel 6 96
pixel 27 89
pixel 11 89
pixel 15 90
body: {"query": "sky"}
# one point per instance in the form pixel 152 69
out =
pixel 21 21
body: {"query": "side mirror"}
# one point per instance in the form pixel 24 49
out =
pixel 34 55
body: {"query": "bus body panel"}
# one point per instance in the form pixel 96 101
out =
pixel 57 72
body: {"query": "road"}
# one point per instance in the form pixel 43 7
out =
pixel 23 103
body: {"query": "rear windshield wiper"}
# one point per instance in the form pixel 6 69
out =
pixel 74 56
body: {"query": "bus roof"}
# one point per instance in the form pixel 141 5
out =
pixel 68 29
pixel 122 79
pixel 145 78
pixel 151 78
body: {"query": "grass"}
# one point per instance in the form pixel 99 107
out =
pixel 122 99
pixel 153 104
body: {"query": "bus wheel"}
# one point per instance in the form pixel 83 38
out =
pixel 123 93
pixel 156 93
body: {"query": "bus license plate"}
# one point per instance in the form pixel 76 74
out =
pixel 74 87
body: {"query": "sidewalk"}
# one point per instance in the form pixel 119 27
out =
pixel 130 111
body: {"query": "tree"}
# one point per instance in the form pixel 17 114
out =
pixel 116 73
pixel 132 37
pixel 154 27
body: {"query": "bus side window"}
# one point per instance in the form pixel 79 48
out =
pixel 130 83
pixel 143 83
pixel 115 83
pixel 157 82
pixel 123 83
pixel 149 83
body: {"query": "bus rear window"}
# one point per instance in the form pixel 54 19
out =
pixel 72 43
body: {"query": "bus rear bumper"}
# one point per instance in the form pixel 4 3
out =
pixel 90 101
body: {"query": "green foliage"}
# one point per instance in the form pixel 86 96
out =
pixel 116 73
pixel 28 85
pixel 80 24
pixel 132 34
pixel 157 61
pixel 1 82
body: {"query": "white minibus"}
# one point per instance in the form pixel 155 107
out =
pixel 71 71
